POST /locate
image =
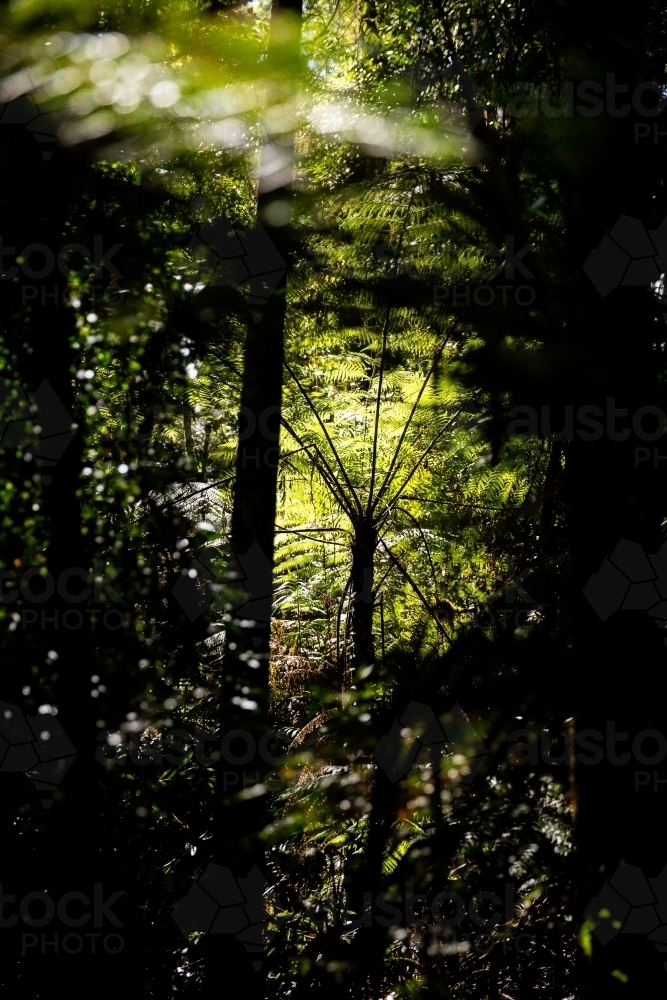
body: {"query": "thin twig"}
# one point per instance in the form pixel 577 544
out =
pixel 295 531
pixel 385 333
pixel 455 503
pixel 338 618
pixel 419 461
pixel 324 469
pixel 369 506
pixel 220 482
pixel 326 434
pixel 388 478
pixel 399 565
pixel 426 546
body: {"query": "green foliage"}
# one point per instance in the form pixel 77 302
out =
pixel 414 176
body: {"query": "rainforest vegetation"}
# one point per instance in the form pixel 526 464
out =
pixel 332 398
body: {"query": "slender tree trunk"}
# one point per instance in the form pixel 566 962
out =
pixel 244 689
pixel 364 545
pixel 189 441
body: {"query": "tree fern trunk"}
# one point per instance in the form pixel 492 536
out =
pixel 363 556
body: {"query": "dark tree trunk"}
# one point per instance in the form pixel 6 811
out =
pixel 244 687
pixel 72 850
pixel 616 674
pixel 364 545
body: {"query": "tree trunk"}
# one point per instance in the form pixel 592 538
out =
pixel 364 545
pixel 244 688
pixel 616 674
pixel 75 853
